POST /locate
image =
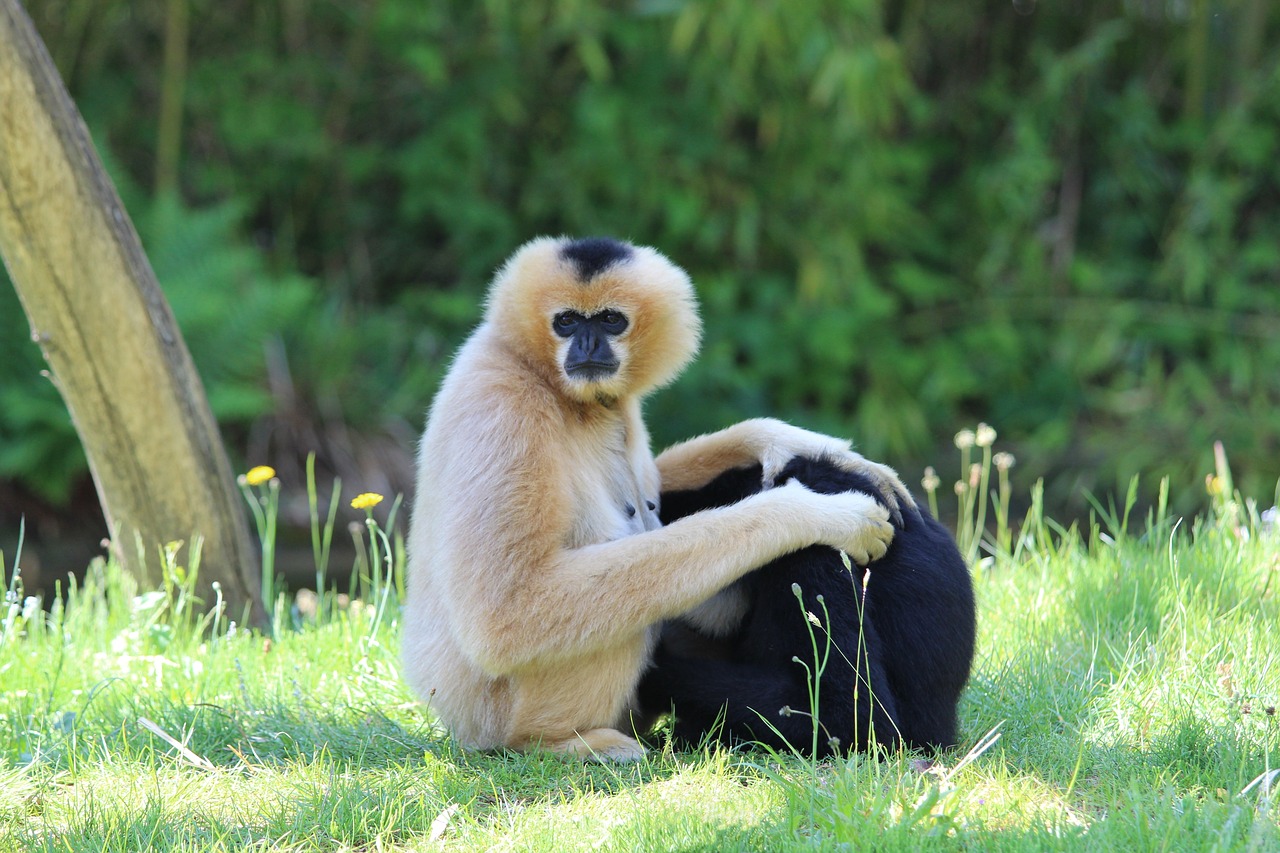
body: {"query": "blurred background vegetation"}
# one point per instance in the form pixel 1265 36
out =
pixel 902 217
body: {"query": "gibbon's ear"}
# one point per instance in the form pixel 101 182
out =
pixel 549 275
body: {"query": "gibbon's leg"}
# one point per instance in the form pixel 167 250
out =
pixel 919 598
pixel 577 706
pixel 828 639
pixel 600 745
pixel 772 443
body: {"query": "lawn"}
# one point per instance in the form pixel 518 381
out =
pixel 1123 698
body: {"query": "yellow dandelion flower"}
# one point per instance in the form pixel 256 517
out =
pixel 259 474
pixel 368 500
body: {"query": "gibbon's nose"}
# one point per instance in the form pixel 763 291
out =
pixel 590 352
pixel 597 347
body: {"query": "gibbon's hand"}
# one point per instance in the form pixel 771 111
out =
pixel 851 521
pixel 886 480
pixel 782 442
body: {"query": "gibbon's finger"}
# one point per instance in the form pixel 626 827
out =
pixel 862 529
pixel 776 456
pixel 884 478
pixel 775 443
pixel 880 546
pixel 872 542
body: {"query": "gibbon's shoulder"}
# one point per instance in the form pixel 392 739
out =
pixel 488 405
pixel 488 389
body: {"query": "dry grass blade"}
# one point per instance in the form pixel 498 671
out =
pixel 195 760
pixel 441 823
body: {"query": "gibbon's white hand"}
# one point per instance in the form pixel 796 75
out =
pixel 851 521
pixel 782 442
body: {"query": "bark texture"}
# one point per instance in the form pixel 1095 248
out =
pixel 107 333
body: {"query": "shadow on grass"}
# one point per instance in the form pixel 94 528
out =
pixel 299 777
pixel 223 736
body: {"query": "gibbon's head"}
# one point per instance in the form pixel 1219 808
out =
pixel 599 318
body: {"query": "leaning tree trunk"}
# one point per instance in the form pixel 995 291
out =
pixel 104 326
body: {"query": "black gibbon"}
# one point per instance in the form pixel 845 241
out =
pixel 900 652
pixel 538 566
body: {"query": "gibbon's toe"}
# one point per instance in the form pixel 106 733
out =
pixel 601 745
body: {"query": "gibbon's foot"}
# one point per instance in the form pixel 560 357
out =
pixel 600 745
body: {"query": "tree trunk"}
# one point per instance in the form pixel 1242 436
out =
pixel 113 348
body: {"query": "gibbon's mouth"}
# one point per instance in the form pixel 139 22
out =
pixel 592 371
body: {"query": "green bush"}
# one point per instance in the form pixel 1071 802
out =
pixel 902 217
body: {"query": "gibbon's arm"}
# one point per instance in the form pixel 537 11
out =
pixel 554 605
pixel 771 443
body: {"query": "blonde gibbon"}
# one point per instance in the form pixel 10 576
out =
pixel 538 567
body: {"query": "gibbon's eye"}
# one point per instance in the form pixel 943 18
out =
pixel 613 322
pixel 566 322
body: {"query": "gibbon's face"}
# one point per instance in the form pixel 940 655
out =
pixel 589 355
pixel 600 318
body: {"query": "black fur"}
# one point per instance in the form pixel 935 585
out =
pixel 912 650
pixel 593 255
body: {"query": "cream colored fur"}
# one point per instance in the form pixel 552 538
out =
pixel 533 593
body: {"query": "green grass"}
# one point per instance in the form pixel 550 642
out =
pixel 1129 683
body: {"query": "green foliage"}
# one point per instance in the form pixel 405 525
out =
pixel 901 216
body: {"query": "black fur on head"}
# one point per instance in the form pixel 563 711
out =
pixel 593 255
